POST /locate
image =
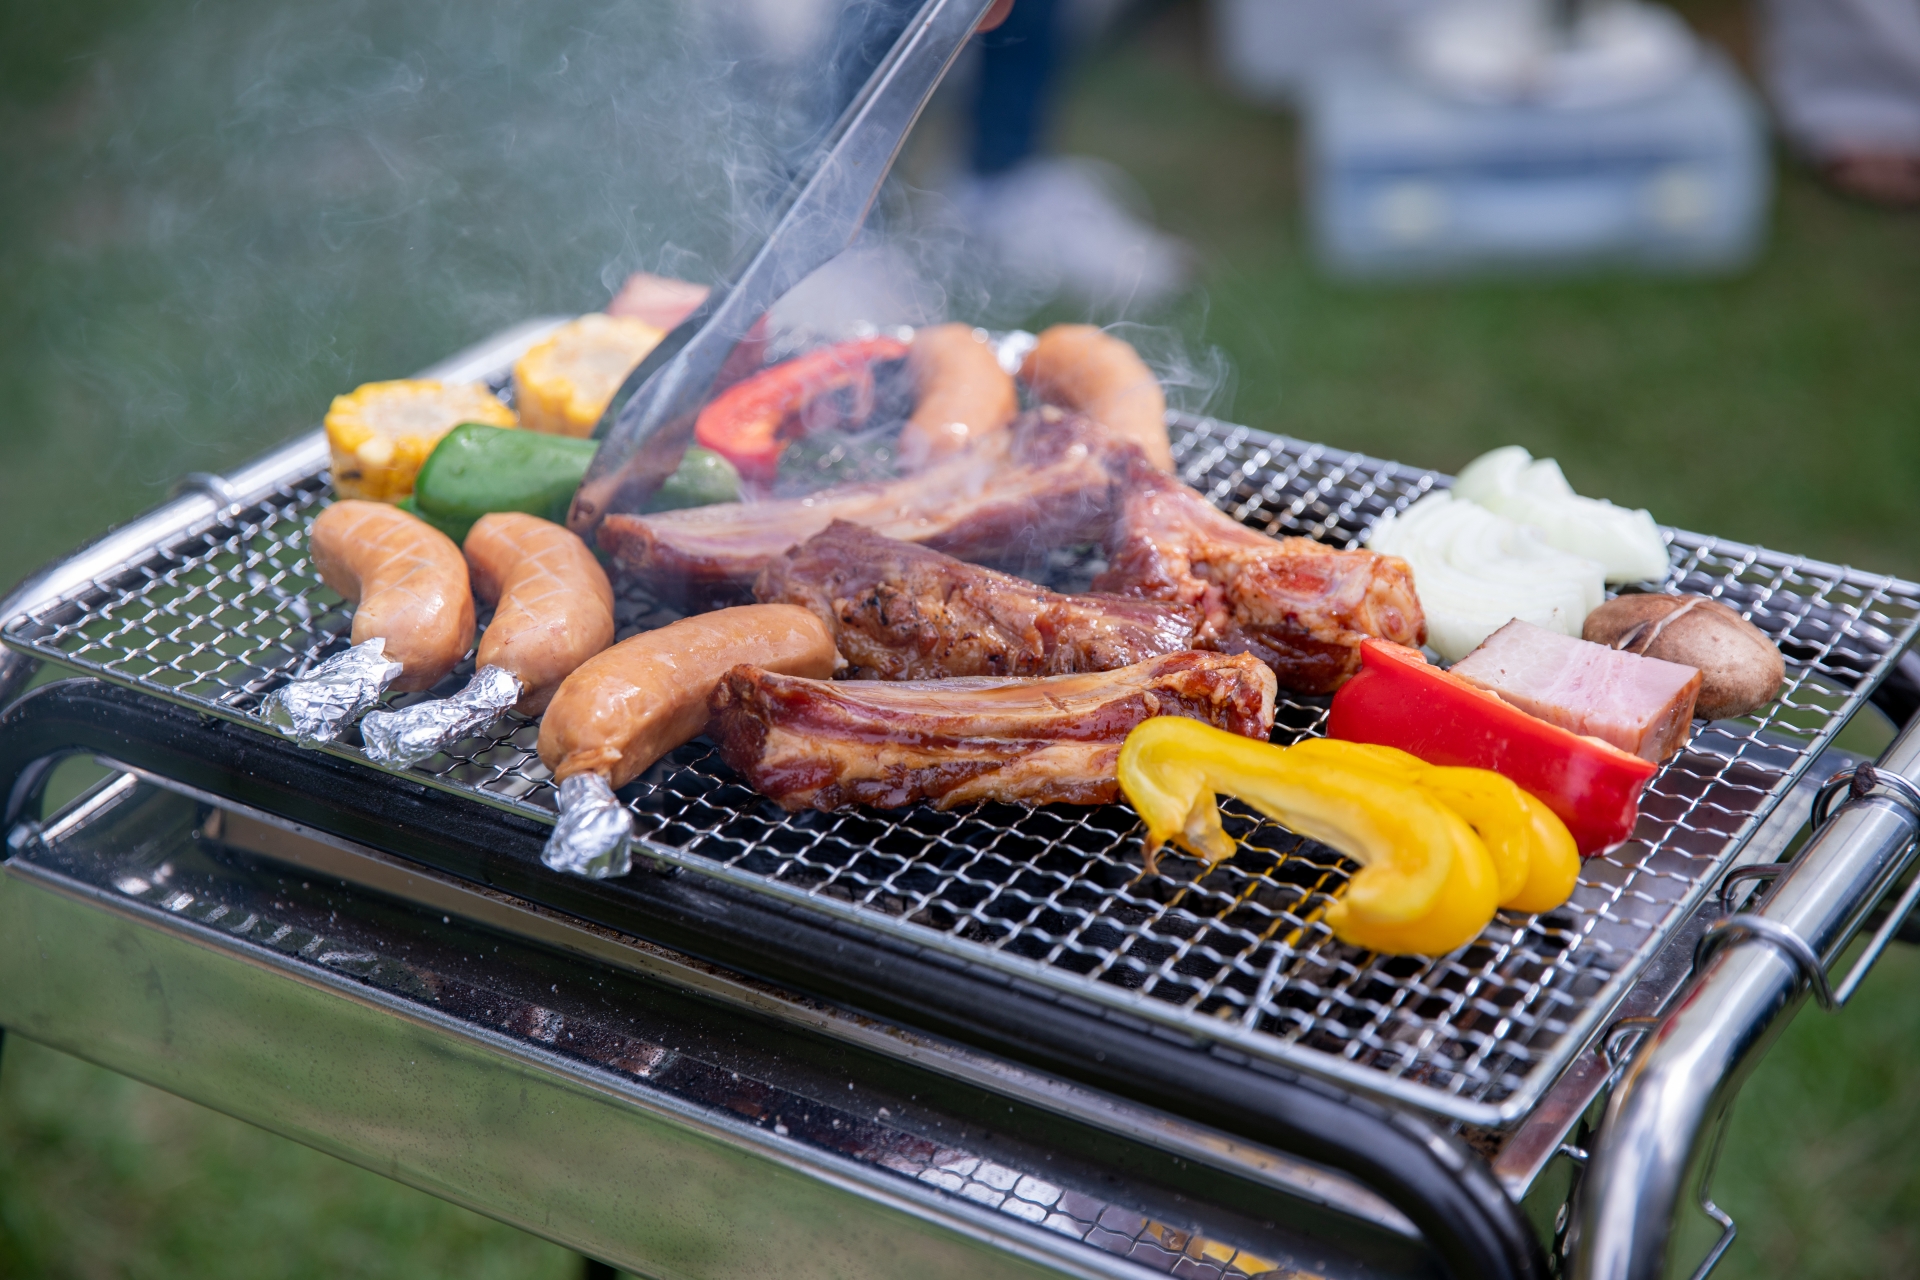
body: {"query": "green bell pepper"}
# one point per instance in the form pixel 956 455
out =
pixel 702 479
pixel 476 469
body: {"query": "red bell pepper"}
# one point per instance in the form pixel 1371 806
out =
pixel 751 422
pixel 1398 699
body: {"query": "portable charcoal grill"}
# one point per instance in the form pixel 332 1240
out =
pixel 973 1043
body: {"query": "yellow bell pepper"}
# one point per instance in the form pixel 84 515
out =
pixel 1532 851
pixel 1439 848
pixel 1426 883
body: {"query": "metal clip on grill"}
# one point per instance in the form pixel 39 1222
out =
pixel 1314 1097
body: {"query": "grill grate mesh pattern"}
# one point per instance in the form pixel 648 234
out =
pixel 1057 896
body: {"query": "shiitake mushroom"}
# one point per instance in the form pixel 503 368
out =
pixel 1740 670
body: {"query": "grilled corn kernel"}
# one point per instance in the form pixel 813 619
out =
pixel 562 386
pixel 383 432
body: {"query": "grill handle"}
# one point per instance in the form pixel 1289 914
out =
pixel 1754 970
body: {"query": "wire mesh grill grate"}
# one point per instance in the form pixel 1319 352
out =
pixel 1058 895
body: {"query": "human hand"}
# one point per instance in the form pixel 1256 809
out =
pixel 996 15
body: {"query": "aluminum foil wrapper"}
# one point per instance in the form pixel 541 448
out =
pixel 316 708
pixel 594 837
pixel 403 738
pixel 1011 349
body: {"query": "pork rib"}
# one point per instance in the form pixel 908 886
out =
pixel 901 612
pixel 1045 483
pixel 1298 605
pixel 826 744
pixel 1052 480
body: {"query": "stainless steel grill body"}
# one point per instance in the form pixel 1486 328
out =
pixel 611 1095
pixel 216 615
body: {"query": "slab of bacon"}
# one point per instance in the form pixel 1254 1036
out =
pixel 826 744
pixel 901 612
pixel 1298 605
pixel 1641 705
pixel 1047 482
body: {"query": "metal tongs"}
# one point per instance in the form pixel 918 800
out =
pixel 649 423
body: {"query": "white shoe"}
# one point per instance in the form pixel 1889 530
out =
pixel 1060 226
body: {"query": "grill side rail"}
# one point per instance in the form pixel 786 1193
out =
pixel 1442 1186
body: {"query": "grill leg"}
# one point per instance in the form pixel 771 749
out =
pixel 593 1270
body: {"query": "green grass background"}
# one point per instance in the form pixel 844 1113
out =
pixel 162 313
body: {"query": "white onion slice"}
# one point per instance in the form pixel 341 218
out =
pixel 1510 482
pixel 1476 571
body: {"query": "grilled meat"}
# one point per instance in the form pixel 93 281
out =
pixel 1045 483
pixel 901 612
pixel 1299 606
pixel 1054 479
pixel 661 301
pixel 828 744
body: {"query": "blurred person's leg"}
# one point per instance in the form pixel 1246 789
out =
pixel 1844 76
pixel 1019 64
pixel 1057 223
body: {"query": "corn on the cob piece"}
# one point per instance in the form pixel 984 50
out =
pixel 383 432
pixel 562 386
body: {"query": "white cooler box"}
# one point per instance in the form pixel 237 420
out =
pixel 1405 180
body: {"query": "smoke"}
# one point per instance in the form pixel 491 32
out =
pixel 1197 379
pixel 435 170
pixel 229 212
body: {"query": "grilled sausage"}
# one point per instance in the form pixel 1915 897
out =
pixel 627 707
pixel 553 604
pixel 406 580
pixel 961 393
pixel 1082 367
